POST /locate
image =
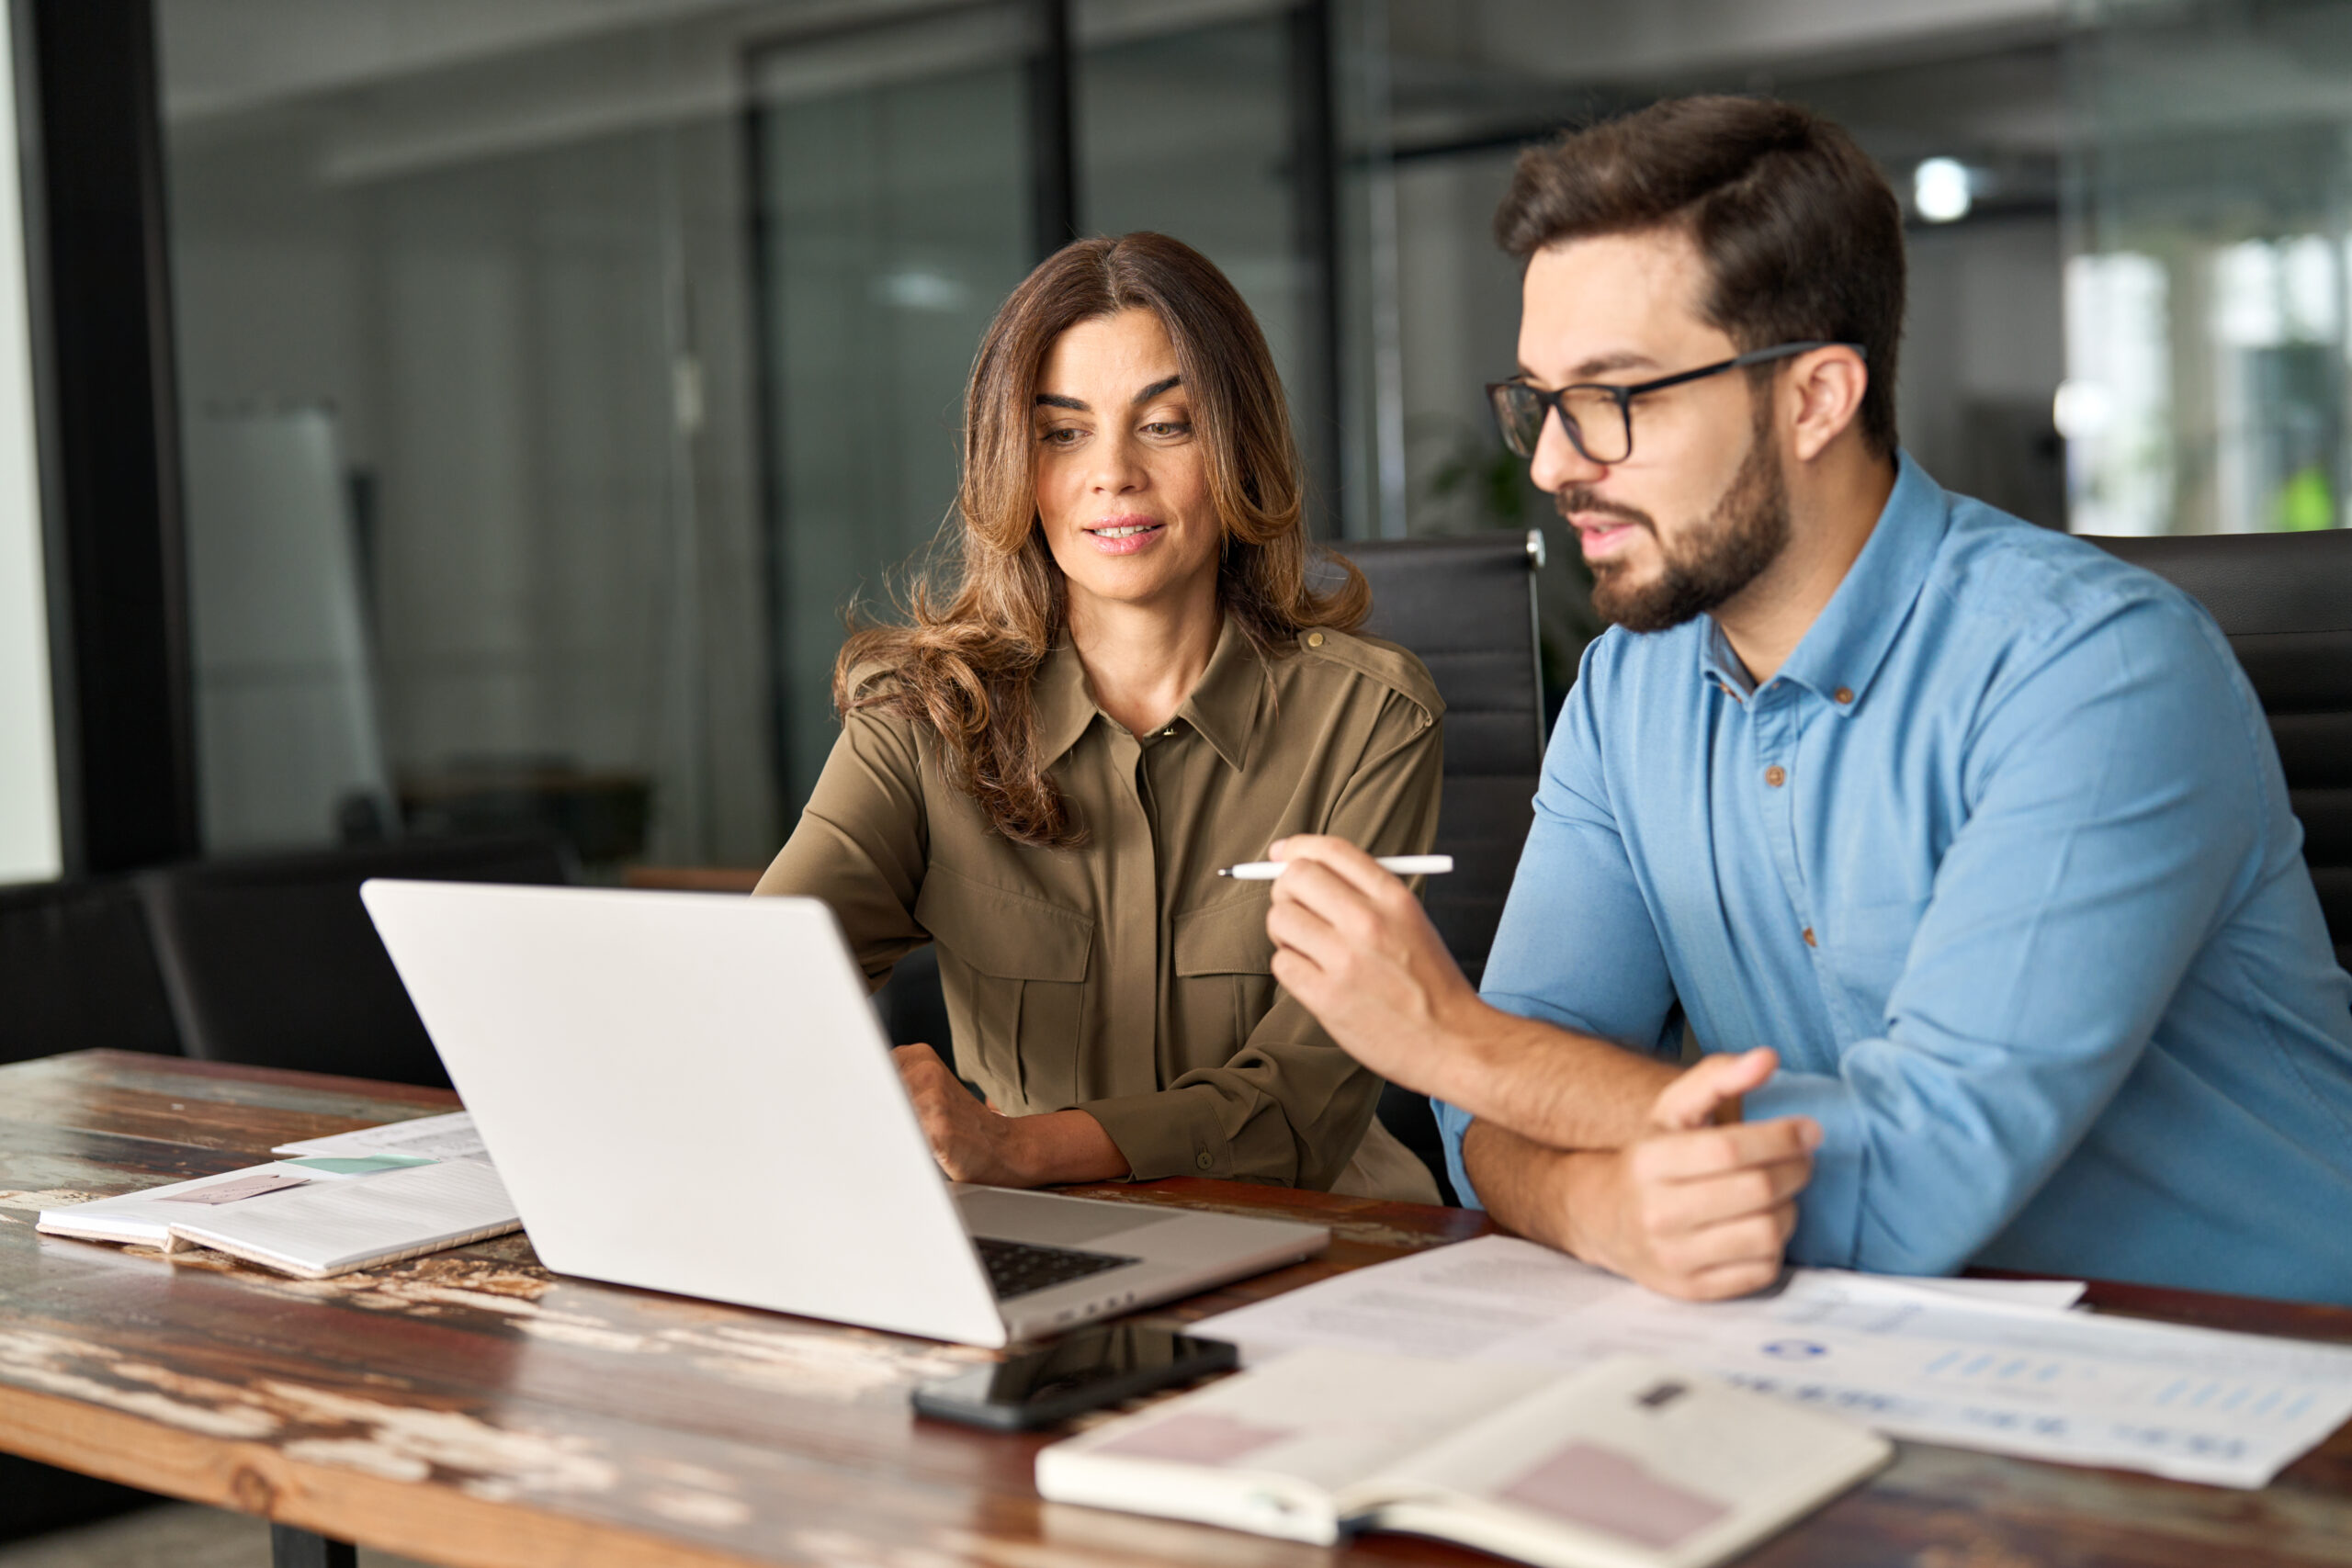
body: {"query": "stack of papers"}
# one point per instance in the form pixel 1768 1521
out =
pixel 1969 1363
pixel 333 1204
pixel 429 1137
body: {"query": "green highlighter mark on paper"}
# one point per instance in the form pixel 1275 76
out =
pixel 358 1164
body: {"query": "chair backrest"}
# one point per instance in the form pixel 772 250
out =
pixel 272 961
pixel 2285 603
pixel 76 972
pixel 1467 605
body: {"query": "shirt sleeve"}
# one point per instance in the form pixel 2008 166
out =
pixel 860 843
pixel 1576 946
pixel 2115 796
pixel 1291 1106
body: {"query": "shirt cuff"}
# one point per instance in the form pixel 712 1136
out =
pixel 1167 1132
pixel 1452 1122
pixel 1830 1209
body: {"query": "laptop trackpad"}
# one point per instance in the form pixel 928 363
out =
pixel 1059 1222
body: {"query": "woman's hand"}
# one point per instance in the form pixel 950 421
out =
pixel 970 1140
pixel 973 1142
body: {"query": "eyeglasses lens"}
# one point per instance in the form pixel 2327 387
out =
pixel 1594 422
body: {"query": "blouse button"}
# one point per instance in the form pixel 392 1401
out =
pixel 1808 938
pixel 1776 775
pixel 1843 695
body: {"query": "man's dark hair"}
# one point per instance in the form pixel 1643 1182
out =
pixel 1796 225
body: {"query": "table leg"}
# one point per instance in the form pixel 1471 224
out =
pixel 292 1548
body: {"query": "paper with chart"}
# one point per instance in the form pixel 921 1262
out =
pixel 1982 1370
pixel 433 1137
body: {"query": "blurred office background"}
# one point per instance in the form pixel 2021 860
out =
pixel 545 376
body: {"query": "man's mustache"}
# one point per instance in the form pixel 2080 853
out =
pixel 1578 498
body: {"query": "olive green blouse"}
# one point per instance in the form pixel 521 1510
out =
pixel 1124 977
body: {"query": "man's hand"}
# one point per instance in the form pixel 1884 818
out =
pixel 1694 1210
pixel 973 1142
pixel 1354 946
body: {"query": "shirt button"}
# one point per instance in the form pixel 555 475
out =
pixel 1776 775
pixel 1843 694
pixel 1204 1161
pixel 1313 640
pixel 1808 938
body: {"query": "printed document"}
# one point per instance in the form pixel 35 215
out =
pixel 1984 1367
pixel 431 1137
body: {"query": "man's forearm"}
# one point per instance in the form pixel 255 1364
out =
pixel 1549 1085
pixel 1524 1185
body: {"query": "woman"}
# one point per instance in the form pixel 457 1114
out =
pixel 1134 684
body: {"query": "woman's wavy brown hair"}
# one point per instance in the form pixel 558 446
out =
pixel 963 661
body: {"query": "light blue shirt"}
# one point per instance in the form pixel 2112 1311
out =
pixel 2001 862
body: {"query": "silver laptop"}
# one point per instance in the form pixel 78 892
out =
pixel 692 1093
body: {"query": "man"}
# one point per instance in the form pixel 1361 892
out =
pixel 1960 848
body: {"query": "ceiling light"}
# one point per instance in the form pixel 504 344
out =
pixel 1940 189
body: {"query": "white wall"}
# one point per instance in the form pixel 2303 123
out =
pixel 31 846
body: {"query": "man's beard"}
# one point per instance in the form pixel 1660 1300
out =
pixel 1714 560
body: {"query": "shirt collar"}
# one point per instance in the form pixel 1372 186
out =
pixel 1063 705
pixel 1843 648
pixel 1224 704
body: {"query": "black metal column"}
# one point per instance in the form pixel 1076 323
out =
pixel 1315 201
pixel 1053 141
pixel 99 280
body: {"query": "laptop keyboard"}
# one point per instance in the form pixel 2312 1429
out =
pixel 1018 1268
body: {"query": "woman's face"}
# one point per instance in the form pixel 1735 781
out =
pixel 1122 487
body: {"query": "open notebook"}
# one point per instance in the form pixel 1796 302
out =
pixel 1631 1463
pixel 312 1218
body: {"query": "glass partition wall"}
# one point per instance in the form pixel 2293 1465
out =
pixel 553 378
pixel 894 215
pixel 464 371
pixel 898 203
pixel 2211 204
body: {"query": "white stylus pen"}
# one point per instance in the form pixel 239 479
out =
pixel 1402 866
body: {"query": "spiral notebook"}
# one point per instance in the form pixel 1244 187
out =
pixel 1631 1463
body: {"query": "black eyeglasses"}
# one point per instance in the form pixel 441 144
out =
pixel 1598 417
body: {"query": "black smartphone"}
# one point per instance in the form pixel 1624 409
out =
pixel 1081 1371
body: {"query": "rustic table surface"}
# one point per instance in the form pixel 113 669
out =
pixel 472 1408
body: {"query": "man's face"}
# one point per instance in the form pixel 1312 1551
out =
pixel 1699 509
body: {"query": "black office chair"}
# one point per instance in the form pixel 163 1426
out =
pixel 1467 605
pixel 914 1005
pixel 76 972
pixel 272 961
pixel 2285 603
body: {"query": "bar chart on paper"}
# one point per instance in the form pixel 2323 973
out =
pixel 1968 1363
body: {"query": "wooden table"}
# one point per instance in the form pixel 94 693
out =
pixel 472 1408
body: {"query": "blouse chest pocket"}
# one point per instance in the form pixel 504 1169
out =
pixel 1014 968
pixel 1225 962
